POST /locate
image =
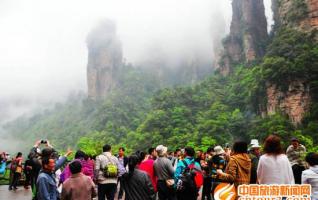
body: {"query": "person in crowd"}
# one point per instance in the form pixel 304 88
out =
pixel 35 162
pixel 16 171
pixel 217 162
pixel 228 152
pixel 209 154
pixel 146 165
pixel 3 162
pixel 238 170
pixel 273 166
pixel 152 153
pixel 164 171
pixel 106 171
pixel 176 158
pixel 46 187
pixel 78 186
pixel 27 172
pixel 206 190
pixel 310 176
pixel 182 165
pixel 87 167
pixel 136 183
pixel 255 153
pixel 171 156
pixel 296 153
pixel 200 156
pixel 123 162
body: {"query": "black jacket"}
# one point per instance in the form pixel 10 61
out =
pixel 138 186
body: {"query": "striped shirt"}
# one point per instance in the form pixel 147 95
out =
pixel 296 156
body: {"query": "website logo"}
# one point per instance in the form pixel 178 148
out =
pixel 225 191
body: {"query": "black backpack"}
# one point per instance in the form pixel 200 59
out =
pixel 186 183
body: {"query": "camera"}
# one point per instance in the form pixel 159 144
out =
pixel 43 141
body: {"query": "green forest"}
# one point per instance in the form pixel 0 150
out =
pixel 142 112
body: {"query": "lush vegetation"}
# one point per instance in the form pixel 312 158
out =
pixel 218 110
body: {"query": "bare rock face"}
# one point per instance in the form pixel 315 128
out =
pixel 294 102
pixel 104 59
pixel 303 16
pixel 299 14
pixel 247 34
pixel 313 13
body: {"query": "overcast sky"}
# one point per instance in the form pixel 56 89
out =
pixel 43 54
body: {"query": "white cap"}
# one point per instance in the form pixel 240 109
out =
pixel 218 150
pixel 161 150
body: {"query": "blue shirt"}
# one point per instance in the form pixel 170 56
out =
pixel 46 184
pixel 181 167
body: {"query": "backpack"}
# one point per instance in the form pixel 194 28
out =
pixel 191 178
pixel 110 170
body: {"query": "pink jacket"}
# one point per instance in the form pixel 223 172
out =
pixel 87 169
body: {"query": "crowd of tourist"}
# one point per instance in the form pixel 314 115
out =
pixel 184 174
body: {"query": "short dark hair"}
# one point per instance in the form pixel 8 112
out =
pixel 294 139
pixel 240 147
pixel 189 151
pixel 45 161
pixel 19 154
pixel 141 156
pixel 273 145
pixel 150 150
pixel 312 159
pixel 210 149
pixel 107 148
pixel 75 167
pixel 121 148
pixel 47 152
pixel 80 154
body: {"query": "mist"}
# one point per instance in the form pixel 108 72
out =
pixel 43 54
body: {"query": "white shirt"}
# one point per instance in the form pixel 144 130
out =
pixel 275 170
pixel 310 176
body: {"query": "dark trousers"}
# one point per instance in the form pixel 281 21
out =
pixel 206 191
pixel 27 179
pixel 164 192
pixel 15 180
pixel 297 171
pixel 108 190
pixel 186 196
pixel 121 189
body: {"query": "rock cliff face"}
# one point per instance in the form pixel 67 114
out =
pixel 303 16
pixel 104 59
pixel 313 13
pixel 300 14
pixel 248 33
pixel 294 102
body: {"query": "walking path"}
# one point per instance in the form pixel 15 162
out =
pixel 20 194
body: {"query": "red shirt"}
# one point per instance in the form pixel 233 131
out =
pixel 147 166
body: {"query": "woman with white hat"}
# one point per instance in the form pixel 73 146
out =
pixel 217 162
